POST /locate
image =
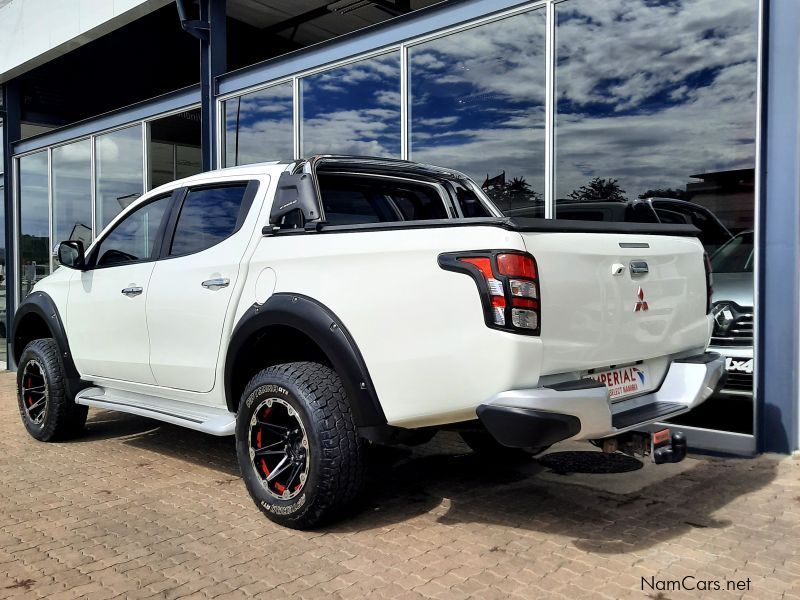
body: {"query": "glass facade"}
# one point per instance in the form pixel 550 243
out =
pixel 258 126
pixel 653 119
pixel 118 172
pixel 477 104
pixel 174 148
pixel 638 110
pixel 34 222
pixel 72 192
pixel 353 109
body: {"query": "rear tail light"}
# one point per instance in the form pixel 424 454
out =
pixel 709 281
pixel 508 284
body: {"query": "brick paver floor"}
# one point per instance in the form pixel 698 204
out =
pixel 138 509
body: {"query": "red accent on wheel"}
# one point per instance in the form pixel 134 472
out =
pixel 280 487
pixel 264 466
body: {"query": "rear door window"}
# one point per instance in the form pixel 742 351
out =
pixel 208 216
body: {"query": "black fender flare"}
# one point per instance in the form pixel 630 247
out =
pixel 320 324
pixel 43 306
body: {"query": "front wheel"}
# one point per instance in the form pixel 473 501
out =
pixel 297 444
pixel 47 410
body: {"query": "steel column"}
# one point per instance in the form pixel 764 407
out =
pixel 778 231
pixel 213 62
pixel 12 104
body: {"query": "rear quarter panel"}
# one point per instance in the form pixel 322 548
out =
pixel 420 329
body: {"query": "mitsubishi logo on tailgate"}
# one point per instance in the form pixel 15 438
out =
pixel 641 303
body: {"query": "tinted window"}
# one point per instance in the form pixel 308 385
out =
pixel 208 216
pixel 351 200
pixel 135 236
pixel 736 256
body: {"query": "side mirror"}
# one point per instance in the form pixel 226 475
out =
pixel 295 193
pixel 70 254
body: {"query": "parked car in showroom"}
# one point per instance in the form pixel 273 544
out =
pixel 311 307
pixel 710 230
pixel 732 309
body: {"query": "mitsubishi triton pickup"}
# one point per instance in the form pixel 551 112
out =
pixel 313 307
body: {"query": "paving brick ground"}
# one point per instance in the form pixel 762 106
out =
pixel 135 509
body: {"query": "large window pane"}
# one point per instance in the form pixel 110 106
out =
pixel 477 105
pixel 353 109
pixel 656 99
pixel 118 172
pixel 258 126
pixel 34 222
pixel 655 121
pixel 72 192
pixel 174 149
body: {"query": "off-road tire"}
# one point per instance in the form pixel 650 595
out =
pixel 335 454
pixel 483 444
pixel 62 418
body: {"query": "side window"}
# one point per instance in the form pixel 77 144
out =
pixel 133 238
pixel 351 200
pixel 208 216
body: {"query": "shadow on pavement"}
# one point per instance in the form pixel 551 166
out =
pixel 444 476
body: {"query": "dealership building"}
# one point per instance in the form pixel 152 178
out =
pixel 588 109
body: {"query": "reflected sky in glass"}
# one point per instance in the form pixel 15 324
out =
pixel 258 126
pixel 34 222
pixel 119 172
pixel 651 92
pixel 353 109
pixel 477 100
pixel 72 192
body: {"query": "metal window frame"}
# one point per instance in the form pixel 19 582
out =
pixel 63 139
pixel 402 47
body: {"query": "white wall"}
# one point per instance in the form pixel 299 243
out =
pixel 33 32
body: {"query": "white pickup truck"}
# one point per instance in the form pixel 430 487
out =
pixel 312 307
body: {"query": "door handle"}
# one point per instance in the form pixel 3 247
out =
pixel 216 283
pixel 132 291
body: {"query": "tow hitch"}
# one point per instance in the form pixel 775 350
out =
pixel 661 446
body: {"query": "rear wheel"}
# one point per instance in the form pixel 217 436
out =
pixel 47 410
pixel 297 444
pixel 482 443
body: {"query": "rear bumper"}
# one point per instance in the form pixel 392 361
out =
pixel 582 409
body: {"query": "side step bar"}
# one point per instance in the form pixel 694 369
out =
pixel 215 421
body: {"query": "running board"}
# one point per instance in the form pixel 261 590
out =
pixel 215 421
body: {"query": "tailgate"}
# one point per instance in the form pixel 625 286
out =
pixel 597 311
